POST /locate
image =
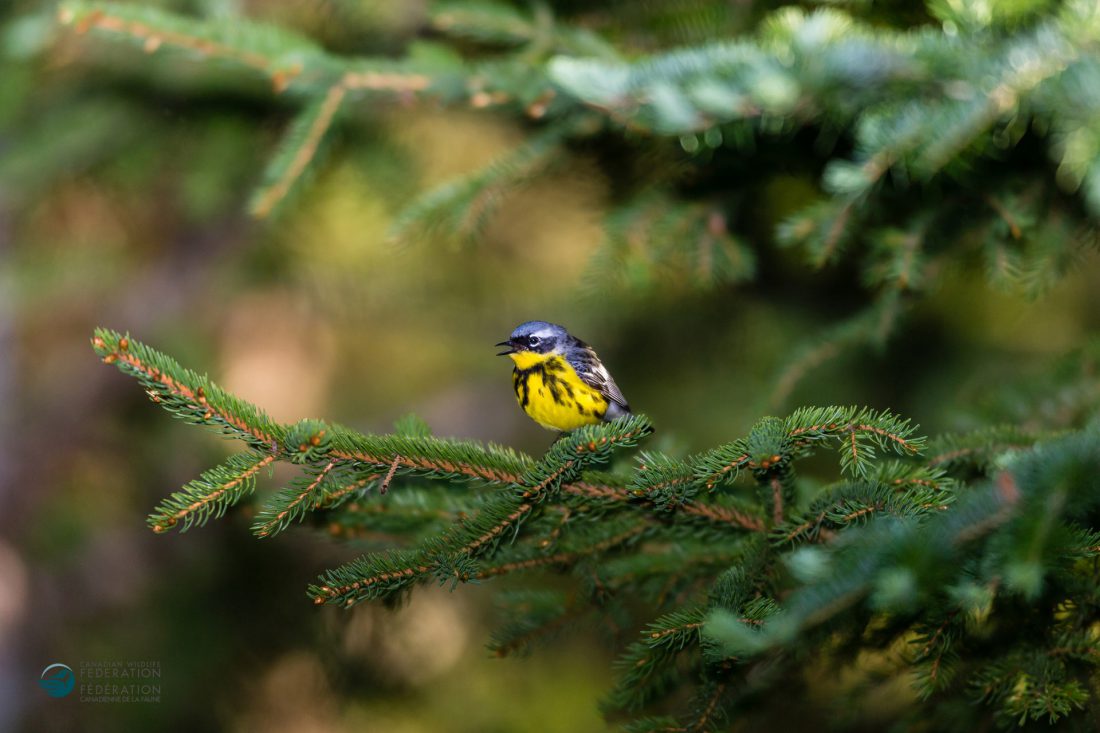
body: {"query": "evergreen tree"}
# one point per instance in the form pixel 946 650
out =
pixel 968 563
pixel 965 564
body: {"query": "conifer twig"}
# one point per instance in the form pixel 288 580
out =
pixel 267 528
pixel 723 514
pixel 318 123
pixel 83 19
pixel 211 494
pixel 530 498
pixel 566 557
pixel 704 719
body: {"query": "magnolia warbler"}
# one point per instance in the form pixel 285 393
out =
pixel 559 381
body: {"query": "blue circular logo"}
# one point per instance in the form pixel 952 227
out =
pixel 57 680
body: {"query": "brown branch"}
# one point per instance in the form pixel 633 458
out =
pixel 777 500
pixel 171 520
pixel 385 82
pixel 675 629
pixel 555 533
pixel 548 626
pixel 524 508
pixel 521 511
pixel 334 97
pixel 836 231
pixel 917 482
pixel 809 360
pixel 267 528
pixel 853 428
pixel 819 520
pixel 934 668
pixel 708 711
pixel 713 512
pixel 332 497
pixel 385 486
pixel 528 505
pixel 597 491
pixel 952 455
pixel 723 514
pixel 1008 494
pixel 154 38
pixel 533 562
pixel 1079 650
pixel 938 633
pixel 278 190
pixel 869 509
pixel 465 469
pixel 367 582
pixel 808 524
pixel 562 558
pixel 736 463
pixel 594 445
pixel 650 488
pixel 196 396
pixel 389 539
pixel 820 427
pixel 886 434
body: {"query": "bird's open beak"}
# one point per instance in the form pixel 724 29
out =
pixel 511 348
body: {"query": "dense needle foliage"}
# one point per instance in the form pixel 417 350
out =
pixel 739 579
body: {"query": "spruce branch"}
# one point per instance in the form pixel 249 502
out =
pixel 935 654
pixel 876 561
pixel 723 514
pixel 277 54
pixel 904 548
pixel 499 25
pixel 852 503
pixel 567 557
pixel 822 229
pixel 413 512
pixel 187 395
pixel 532 616
pixel 362 460
pixel 210 495
pixel 659 240
pixel 429 457
pixel 461 207
pixel 489 23
pixel 979 449
pixel 450 555
pixel 320 82
pixel 664 566
pixel 297 151
pixel 293 502
pixel 710 713
pixel 869 327
pixel 645 494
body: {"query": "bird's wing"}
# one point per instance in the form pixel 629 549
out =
pixel 593 373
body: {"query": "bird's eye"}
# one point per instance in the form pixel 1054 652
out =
pixel 533 340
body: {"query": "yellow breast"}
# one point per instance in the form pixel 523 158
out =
pixel 550 392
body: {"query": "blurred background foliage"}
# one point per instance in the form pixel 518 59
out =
pixel 695 252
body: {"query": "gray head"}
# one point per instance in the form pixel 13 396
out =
pixel 537 336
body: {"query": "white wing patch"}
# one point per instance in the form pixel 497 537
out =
pixel 593 373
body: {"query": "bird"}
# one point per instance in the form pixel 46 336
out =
pixel 559 381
